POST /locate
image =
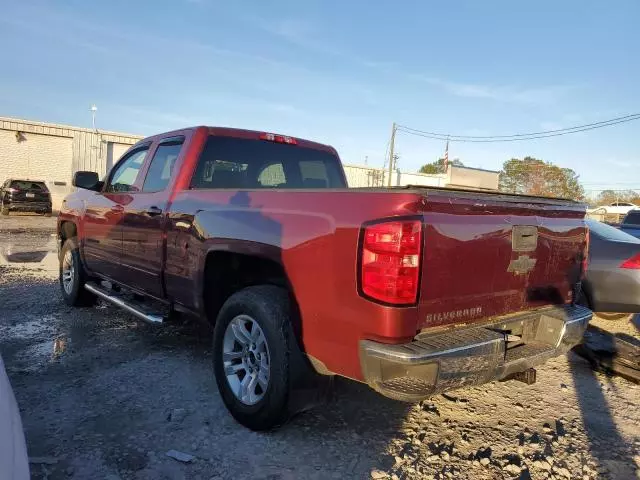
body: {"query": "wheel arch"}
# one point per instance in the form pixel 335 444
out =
pixel 230 268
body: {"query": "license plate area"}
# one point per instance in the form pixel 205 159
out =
pixel 31 195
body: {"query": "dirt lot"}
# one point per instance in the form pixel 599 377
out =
pixel 104 396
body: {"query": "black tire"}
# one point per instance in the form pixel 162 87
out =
pixel 610 316
pixel 48 213
pixel 269 307
pixel 75 294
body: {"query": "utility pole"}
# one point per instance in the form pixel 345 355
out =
pixel 391 153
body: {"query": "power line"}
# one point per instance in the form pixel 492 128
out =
pixel 519 136
pixel 600 184
pixel 633 116
pixel 386 152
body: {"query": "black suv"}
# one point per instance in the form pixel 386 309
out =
pixel 24 196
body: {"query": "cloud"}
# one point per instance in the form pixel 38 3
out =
pixel 504 93
pixel 567 120
pixel 303 34
pixel 296 31
pixel 139 112
pixel 621 163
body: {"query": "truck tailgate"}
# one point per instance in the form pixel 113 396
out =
pixel 488 255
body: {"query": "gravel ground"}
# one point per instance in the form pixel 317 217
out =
pixel 104 396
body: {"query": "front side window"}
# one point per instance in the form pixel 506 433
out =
pixel 162 165
pixel 242 163
pixel 126 172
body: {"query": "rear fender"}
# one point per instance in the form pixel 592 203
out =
pixel 242 247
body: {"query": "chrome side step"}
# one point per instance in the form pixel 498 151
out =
pixel 120 302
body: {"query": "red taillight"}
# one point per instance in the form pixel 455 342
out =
pixel 390 261
pixel 633 262
pixel 13 190
pixel 272 137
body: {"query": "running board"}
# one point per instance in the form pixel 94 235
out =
pixel 119 302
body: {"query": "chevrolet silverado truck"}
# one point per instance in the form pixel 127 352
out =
pixel 411 290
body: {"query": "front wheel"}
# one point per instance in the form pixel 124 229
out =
pixel 254 352
pixel 73 277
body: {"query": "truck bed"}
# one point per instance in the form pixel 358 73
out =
pixel 473 268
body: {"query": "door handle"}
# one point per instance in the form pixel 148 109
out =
pixel 117 208
pixel 153 211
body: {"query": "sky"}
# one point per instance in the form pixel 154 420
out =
pixel 341 72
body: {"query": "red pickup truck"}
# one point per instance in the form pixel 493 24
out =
pixel 412 290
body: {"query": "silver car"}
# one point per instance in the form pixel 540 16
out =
pixel 612 283
pixel 14 463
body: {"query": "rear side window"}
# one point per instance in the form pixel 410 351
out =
pixel 27 185
pixel 162 165
pixel 228 162
pixel 632 218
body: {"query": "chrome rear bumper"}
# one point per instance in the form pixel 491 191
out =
pixel 435 362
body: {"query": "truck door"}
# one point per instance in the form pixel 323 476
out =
pixel 102 237
pixel 143 238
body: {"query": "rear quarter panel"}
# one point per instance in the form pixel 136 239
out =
pixel 314 235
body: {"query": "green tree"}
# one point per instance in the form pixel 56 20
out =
pixel 438 166
pixel 607 197
pixel 532 176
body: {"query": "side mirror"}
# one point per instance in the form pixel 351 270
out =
pixel 86 180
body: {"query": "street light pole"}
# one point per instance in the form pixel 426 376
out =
pixel 94 109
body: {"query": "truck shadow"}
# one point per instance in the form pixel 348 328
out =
pixel 347 436
pixel 602 433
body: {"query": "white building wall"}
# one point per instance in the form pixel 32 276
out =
pixel 118 151
pixel 38 157
pixel 35 156
pixel 473 178
pixel 359 176
pixel 52 153
pixel 421 179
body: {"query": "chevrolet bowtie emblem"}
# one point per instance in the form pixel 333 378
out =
pixel 523 264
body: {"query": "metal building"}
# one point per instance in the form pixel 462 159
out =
pixel 52 153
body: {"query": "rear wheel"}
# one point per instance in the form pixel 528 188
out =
pixel 73 276
pixel 256 358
